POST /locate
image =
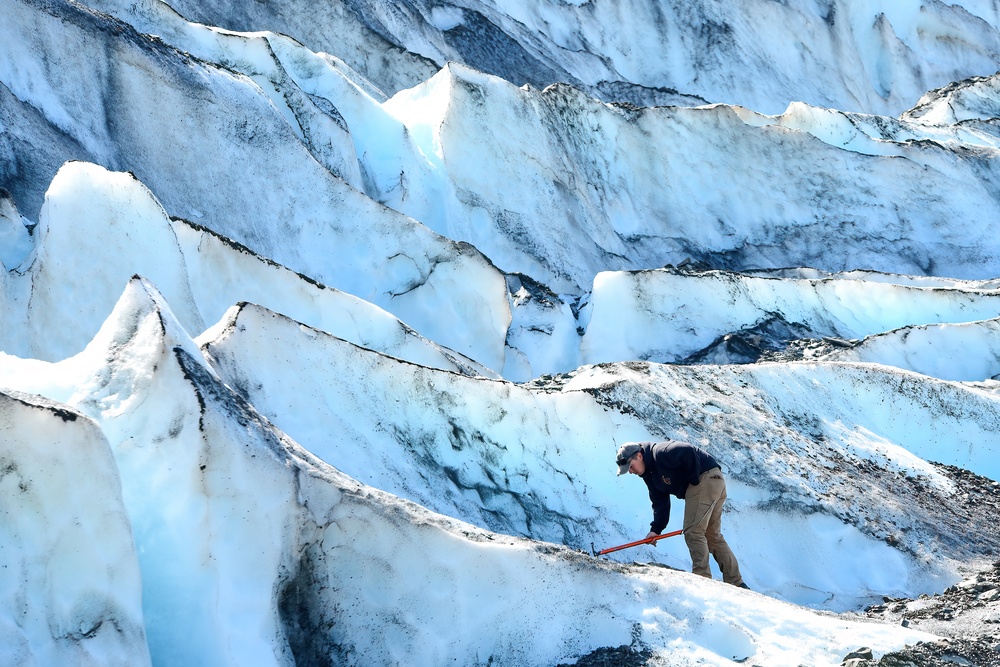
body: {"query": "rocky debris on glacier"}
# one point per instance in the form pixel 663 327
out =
pixel 965 616
pixel 947 652
pixel 972 606
pixel 622 656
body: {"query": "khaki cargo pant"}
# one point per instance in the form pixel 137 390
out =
pixel 703 527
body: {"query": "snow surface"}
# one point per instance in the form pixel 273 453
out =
pixel 321 329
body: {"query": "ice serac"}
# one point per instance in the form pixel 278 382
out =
pixel 543 337
pixel 962 102
pixel 337 27
pixel 964 352
pixel 588 186
pixel 70 590
pixel 574 187
pixel 667 308
pixel 225 273
pixel 186 477
pixel 874 56
pixel 277 199
pixel 112 227
pixel 477 449
pixel 316 92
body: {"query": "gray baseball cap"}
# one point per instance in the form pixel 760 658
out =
pixel 625 454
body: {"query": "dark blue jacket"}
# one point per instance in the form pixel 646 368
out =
pixel 671 467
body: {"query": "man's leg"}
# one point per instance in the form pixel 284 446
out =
pixel 717 544
pixel 698 510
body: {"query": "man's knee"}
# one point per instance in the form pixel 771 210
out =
pixel 703 536
pixel 695 539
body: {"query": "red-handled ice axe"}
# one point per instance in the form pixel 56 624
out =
pixel 648 540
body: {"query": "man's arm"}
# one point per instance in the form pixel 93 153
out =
pixel 661 511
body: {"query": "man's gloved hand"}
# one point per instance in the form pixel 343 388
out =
pixel 651 534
